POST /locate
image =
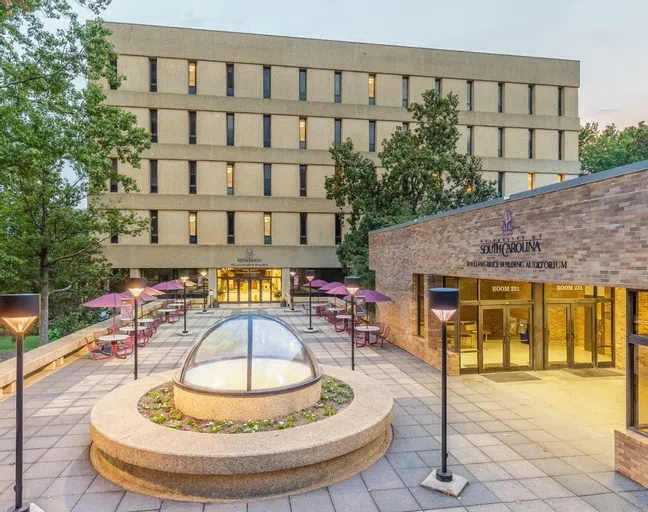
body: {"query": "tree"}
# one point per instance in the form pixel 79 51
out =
pixel 611 147
pixel 423 174
pixel 57 138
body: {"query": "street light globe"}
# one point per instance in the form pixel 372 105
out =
pixel 293 273
pixel 184 279
pixel 203 273
pixel 20 310
pixel 352 283
pixel 136 285
pixel 444 302
pixel 310 275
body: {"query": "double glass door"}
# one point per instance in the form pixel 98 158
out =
pixel 571 335
pixel 505 338
pixel 250 290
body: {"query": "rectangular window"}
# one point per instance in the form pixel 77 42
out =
pixel 267 179
pixel 302 133
pixel 372 136
pixel 193 227
pixel 372 89
pixel 230 129
pixel 530 143
pixel 500 97
pixel 153 75
pixel 229 77
pixel 561 178
pixel 192 77
pixel 420 304
pixel 338 229
pixel 303 229
pixel 302 85
pixel 500 184
pixel 405 91
pixel 267 228
pixel 267 132
pixel 469 141
pixel 154 226
pixel 530 99
pixel 113 64
pixel 192 127
pixel 500 142
pixel 193 178
pixel 337 87
pixel 531 180
pixel 114 239
pixel 437 86
pixel 469 95
pixel 560 145
pixel 114 186
pixel 561 94
pixel 153 125
pixel 302 181
pixel 230 228
pixel 153 176
pixel 337 132
pixel 230 179
pixel 405 127
pixel 267 82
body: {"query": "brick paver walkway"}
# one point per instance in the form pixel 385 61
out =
pixel 538 446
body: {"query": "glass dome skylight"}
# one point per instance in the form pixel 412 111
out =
pixel 249 353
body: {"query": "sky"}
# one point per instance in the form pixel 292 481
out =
pixel 606 36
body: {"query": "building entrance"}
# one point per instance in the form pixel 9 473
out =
pixel 506 338
pixel 249 285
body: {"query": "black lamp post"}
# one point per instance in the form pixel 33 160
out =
pixel 310 275
pixel 293 273
pixel 352 284
pixel 19 312
pixel 184 280
pixel 444 303
pixel 204 285
pixel 135 285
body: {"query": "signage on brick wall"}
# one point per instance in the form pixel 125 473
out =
pixel 511 251
pixel 249 260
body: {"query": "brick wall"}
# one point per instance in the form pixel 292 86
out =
pixel 600 229
pixel 631 456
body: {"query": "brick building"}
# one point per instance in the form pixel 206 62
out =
pixel 551 278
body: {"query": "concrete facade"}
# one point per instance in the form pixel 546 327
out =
pixel 172 49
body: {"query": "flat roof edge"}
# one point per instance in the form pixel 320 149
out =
pixel 576 182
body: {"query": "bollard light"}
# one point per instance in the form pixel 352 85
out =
pixel 352 284
pixel 135 285
pixel 184 279
pixel 293 273
pixel 310 275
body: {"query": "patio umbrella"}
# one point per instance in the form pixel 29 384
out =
pixel 167 286
pixel 317 283
pixel 340 291
pixel 110 300
pixel 330 286
pixel 373 296
pixel 153 292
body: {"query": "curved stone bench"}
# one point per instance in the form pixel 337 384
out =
pixel 137 454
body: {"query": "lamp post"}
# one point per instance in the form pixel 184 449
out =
pixel 184 280
pixel 352 284
pixel 19 312
pixel 204 285
pixel 135 285
pixel 293 273
pixel 310 275
pixel 444 303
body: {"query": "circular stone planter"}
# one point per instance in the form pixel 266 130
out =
pixel 135 453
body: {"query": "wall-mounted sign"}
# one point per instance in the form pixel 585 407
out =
pixel 506 247
pixel 127 309
pixel 249 260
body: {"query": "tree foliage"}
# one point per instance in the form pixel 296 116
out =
pixel 422 174
pixel 57 138
pixel 600 150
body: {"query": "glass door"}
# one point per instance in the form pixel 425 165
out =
pixel 492 336
pixel 255 290
pixel 266 290
pixel 505 338
pixel 582 335
pixel 604 334
pixel 518 338
pixel 556 335
pixel 244 290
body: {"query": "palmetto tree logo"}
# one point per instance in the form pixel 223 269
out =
pixel 507 223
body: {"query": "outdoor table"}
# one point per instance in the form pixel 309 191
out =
pixel 166 313
pixel 335 310
pixel 146 321
pixel 346 318
pixel 367 329
pixel 176 305
pixel 113 339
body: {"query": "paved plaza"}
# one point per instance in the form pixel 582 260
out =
pixel 540 445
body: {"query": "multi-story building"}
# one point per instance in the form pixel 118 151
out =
pixel 241 125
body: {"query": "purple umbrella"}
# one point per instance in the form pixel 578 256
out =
pixel 330 286
pixel 317 283
pixel 169 285
pixel 110 300
pixel 372 296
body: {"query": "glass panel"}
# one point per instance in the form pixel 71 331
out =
pixel 244 290
pixel 640 385
pixel 519 323
pixel 302 130
pixel 266 295
pixel 604 341
pixel 641 314
pixel 276 286
pixel 492 333
pixel 468 336
pixel 557 333
pixel 504 290
pixel 467 289
pixel 582 323
pixel 372 87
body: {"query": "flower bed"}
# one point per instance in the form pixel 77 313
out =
pixel 159 407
